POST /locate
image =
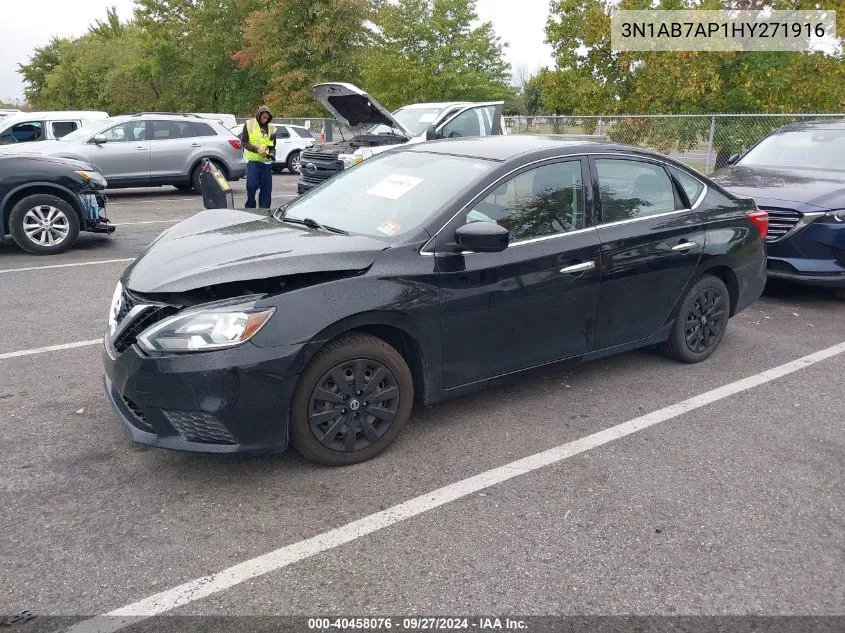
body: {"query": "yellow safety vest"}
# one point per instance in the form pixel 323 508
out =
pixel 259 138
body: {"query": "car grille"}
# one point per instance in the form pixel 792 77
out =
pixel 320 156
pixel 781 222
pixel 199 426
pixel 153 314
pixel 319 166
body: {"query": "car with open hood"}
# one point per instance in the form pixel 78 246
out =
pixel 424 273
pixel 797 175
pixel 377 130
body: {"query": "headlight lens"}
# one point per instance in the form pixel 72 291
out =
pixel 114 310
pixel 206 328
pixel 838 215
pixel 94 177
pixel 349 160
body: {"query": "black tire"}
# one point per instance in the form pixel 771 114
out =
pixel 341 413
pixel 186 187
pixel 840 293
pixel 278 169
pixel 293 163
pixel 701 322
pixel 64 224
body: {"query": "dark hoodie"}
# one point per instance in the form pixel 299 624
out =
pixel 245 134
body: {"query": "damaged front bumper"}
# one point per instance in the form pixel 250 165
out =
pixel 94 217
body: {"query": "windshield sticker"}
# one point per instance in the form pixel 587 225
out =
pixel 395 186
pixel 428 117
pixel 390 228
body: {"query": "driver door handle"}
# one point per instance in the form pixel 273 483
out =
pixel 579 268
pixel 141 148
pixel 684 246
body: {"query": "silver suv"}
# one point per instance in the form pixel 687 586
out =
pixel 149 149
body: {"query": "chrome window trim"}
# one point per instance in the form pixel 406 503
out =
pixel 532 240
pixel 578 156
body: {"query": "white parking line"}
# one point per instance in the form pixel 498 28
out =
pixel 101 261
pixel 51 348
pixel 148 222
pixel 123 202
pixel 253 568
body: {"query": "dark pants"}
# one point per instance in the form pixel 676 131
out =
pixel 259 177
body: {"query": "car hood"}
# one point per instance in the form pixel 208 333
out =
pixel 352 107
pixel 810 188
pixel 36 148
pixel 219 246
pixel 56 160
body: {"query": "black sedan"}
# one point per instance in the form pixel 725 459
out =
pixel 424 273
pixel 796 174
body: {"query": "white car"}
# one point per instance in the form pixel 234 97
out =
pixel 27 127
pixel 290 141
pixel 355 109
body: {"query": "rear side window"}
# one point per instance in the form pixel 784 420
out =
pixel 282 132
pixel 203 129
pixel 168 130
pixel 633 189
pixel 691 186
pixel 63 128
pixel 301 131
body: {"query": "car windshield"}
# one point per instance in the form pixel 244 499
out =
pixel 813 148
pixel 388 195
pixel 85 132
pixel 415 120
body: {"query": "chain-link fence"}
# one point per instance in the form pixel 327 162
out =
pixel 704 142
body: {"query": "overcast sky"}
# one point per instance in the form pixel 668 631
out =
pixel 520 24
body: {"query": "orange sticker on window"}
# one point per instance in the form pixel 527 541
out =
pixel 390 228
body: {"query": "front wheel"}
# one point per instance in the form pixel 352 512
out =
pixel 352 400
pixel 43 224
pixel 701 322
pixel 294 164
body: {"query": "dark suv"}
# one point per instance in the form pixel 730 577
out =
pixel 797 175
pixel 46 202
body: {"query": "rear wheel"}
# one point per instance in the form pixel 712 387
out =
pixel 294 163
pixel 43 224
pixel 701 322
pixel 353 399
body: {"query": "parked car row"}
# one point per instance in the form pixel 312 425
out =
pixel 291 140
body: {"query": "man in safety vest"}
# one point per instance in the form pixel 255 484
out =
pixel 258 139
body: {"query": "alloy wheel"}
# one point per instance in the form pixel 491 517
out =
pixel 295 163
pixel 46 225
pixel 705 320
pixel 353 405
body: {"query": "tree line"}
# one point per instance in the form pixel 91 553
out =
pixel 231 55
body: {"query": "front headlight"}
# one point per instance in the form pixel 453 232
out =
pixel 206 328
pixel 114 309
pixel 838 215
pixel 93 177
pixel 349 160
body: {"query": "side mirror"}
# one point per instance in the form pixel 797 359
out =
pixel 482 237
pixel 99 139
pixel 735 157
pixel 430 133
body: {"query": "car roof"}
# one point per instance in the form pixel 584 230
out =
pixel 815 124
pixel 503 148
pixel 56 114
pixel 444 104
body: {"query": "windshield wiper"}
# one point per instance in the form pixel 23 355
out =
pixel 313 224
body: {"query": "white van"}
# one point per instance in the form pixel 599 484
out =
pixel 26 127
pixel 226 120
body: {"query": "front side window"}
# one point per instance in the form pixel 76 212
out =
pixel 415 120
pixel 23 133
pixel 128 132
pixel 632 189
pixel 473 122
pixel 542 201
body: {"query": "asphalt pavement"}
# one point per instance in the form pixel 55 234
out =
pixel 731 505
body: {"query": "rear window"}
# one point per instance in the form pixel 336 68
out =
pixel 203 129
pixel 63 128
pixel 301 131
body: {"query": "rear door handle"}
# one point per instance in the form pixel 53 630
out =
pixel 195 145
pixel 684 246
pixel 579 268
pixel 141 148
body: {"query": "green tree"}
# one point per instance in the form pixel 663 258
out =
pixel 297 44
pixel 42 63
pixel 429 50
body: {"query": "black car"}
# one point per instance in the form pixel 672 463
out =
pixel 423 273
pixel 797 175
pixel 46 202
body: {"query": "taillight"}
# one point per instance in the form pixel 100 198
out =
pixel 235 142
pixel 760 219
